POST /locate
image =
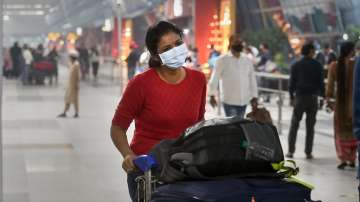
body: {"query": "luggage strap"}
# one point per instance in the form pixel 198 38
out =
pixel 296 180
pixel 286 168
pixel 289 169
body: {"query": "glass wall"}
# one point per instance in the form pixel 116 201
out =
pixel 246 16
pixel 312 16
pixel 309 18
pixel 349 12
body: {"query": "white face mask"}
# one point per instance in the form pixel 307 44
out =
pixel 175 57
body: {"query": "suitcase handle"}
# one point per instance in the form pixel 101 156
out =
pixel 145 162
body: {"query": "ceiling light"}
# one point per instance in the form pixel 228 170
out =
pixel 29 12
pixel 38 6
pixel 6 18
pixel 67 26
pixel 107 26
pixel 79 31
pixel 40 13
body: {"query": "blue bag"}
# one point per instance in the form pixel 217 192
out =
pixel 233 190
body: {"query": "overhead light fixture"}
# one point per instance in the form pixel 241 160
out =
pixel 346 37
pixel 29 12
pixel 39 12
pixel 6 18
pixel 107 26
pixel 79 31
pixel 67 26
pixel 38 6
pixel 17 6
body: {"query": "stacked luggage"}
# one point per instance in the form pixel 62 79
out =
pixel 221 160
pixel 41 69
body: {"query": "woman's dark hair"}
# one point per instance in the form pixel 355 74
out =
pixel 307 48
pixel 153 36
pixel 346 49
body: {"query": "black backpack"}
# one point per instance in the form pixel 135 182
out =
pixel 220 148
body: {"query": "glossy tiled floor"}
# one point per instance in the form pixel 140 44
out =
pixel 61 160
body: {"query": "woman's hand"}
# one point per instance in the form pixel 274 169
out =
pixel 128 163
pixel 119 138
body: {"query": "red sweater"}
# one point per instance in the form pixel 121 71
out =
pixel 160 110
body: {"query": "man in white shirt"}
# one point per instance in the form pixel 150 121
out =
pixel 237 76
pixel 28 58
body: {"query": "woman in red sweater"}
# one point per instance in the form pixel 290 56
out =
pixel 163 101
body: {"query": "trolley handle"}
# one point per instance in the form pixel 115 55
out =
pixel 145 162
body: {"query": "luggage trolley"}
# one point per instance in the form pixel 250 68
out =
pixel 146 183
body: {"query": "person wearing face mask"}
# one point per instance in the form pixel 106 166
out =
pixel 163 101
pixel 356 112
pixel 340 87
pixel 305 85
pixel 239 87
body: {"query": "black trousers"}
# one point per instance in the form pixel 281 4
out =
pixel 95 66
pixel 309 105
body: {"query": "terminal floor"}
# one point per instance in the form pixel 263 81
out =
pixel 47 159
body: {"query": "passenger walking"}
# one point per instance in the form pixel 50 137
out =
pixel 163 101
pixel 194 52
pixel 306 84
pixel 72 90
pixel 340 77
pixel 144 61
pixel 39 53
pixel 84 61
pixel 236 72
pixel 7 66
pixel 356 111
pixel 27 64
pixel 95 61
pixel 213 56
pixel 268 66
pixel 265 55
pixel 251 52
pixel 38 74
pixel 326 56
pixel 132 61
pixel 53 56
pixel 16 54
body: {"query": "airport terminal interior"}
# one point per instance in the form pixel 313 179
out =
pixel 85 52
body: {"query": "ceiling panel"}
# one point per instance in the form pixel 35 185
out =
pixel 36 17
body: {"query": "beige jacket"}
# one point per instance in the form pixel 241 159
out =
pixel 72 90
